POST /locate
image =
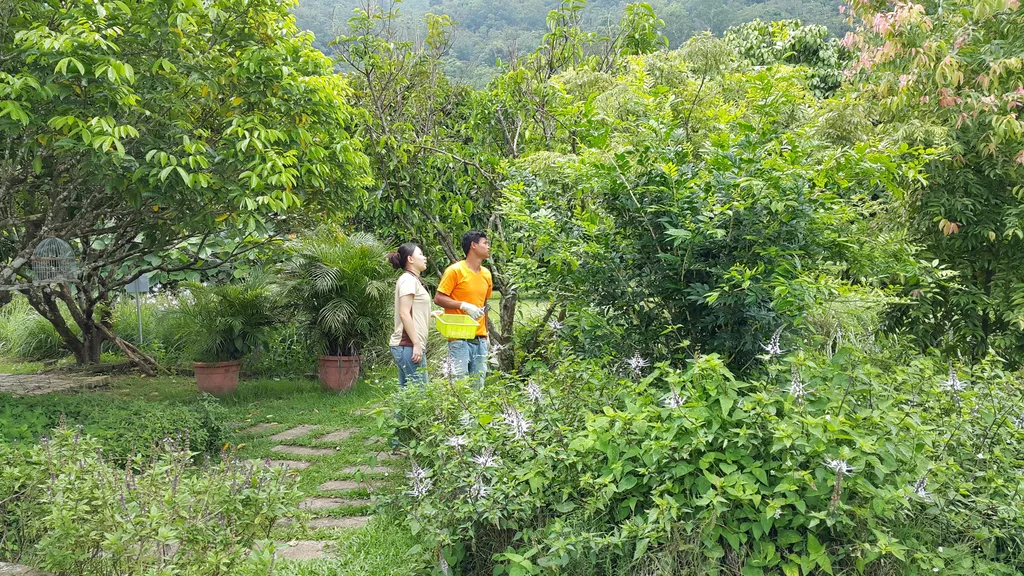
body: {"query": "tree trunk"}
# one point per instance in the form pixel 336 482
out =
pixel 93 341
pixel 89 346
pixel 43 301
pixel 507 319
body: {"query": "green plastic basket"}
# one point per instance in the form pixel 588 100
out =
pixel 457 326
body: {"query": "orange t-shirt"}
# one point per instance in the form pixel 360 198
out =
pixel 464 285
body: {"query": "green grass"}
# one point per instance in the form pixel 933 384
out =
pixel 9 366
pixel 381 547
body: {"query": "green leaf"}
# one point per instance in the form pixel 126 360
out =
pixel 726 402
pixel 814 548
pixel 641 548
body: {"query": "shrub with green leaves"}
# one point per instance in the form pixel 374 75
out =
pixel 848 464
pixel 125 428
pixel 220 323
pixel 65 508
pixel 341 289
pixel 27 335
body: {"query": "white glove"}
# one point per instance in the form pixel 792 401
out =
pixel 474 312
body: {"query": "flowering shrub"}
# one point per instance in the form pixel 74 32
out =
pixel 66 509
pixel 835 464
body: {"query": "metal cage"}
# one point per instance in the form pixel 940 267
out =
pixel 54 261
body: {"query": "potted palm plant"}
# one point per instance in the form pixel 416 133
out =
pixel 220 325
pixel 341 288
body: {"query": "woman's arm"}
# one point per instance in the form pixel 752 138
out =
pixel 405 313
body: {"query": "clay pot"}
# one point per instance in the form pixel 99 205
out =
pixel 217 378
pixel 338 373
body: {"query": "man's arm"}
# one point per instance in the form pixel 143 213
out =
pixel 446 301
pixel 442 299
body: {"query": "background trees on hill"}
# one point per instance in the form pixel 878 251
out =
pixel 486 31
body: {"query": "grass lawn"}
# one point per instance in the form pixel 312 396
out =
pixel 379 548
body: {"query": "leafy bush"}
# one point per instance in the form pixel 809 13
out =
pixel 227 322
pixel 844 464
pixel 124 427
pixel 67 509
pixel 287 352
pixel 789 41
pixel 341 288
pixel 25 334
pixel 750 225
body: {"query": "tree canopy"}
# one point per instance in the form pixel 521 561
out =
pixel 135 127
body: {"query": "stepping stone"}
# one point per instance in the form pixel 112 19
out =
pixel 289 464
pixel 325 523
pixel 381 456
pixel 325 503
pixel 366 470
pixel 37 384
pixel 294 433
pixel 341 485
pixel 301 550
pixel 260 428
pixel 19 570
pixel 375 441
pixel 346 522
pixel 302 451
pixel 336 436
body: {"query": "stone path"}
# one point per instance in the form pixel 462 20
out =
pixel 302 450
pixel 333 495
pixel 294 433
pixel 338 497
pixel 19 570
pixel 35 384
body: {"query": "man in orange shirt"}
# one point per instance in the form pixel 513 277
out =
pixel 464 289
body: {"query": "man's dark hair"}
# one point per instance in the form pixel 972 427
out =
pixel 470 238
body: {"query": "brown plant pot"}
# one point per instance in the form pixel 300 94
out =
pixel 338 373
pixel 217 378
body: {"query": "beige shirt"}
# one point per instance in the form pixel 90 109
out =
pixel 408 284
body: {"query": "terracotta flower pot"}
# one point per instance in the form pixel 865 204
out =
pixel 338 373
pixel 217 378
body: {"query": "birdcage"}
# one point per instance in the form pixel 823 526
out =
pixel 53 261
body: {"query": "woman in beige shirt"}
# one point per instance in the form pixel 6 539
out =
pixel 412 314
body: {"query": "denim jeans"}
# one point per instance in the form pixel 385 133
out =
pixel 469 357
pixel 409 371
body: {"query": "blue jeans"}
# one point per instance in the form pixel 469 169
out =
pixel 469 357
pixel 409 371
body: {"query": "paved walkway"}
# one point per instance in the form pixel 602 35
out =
pixel 339 503
pixel 35 384
pixel 19 570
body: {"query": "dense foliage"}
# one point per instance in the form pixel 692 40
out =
pixel 725 187
pixel 126 429
pixel 68 510
pixel 951 75
pixel 856 462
